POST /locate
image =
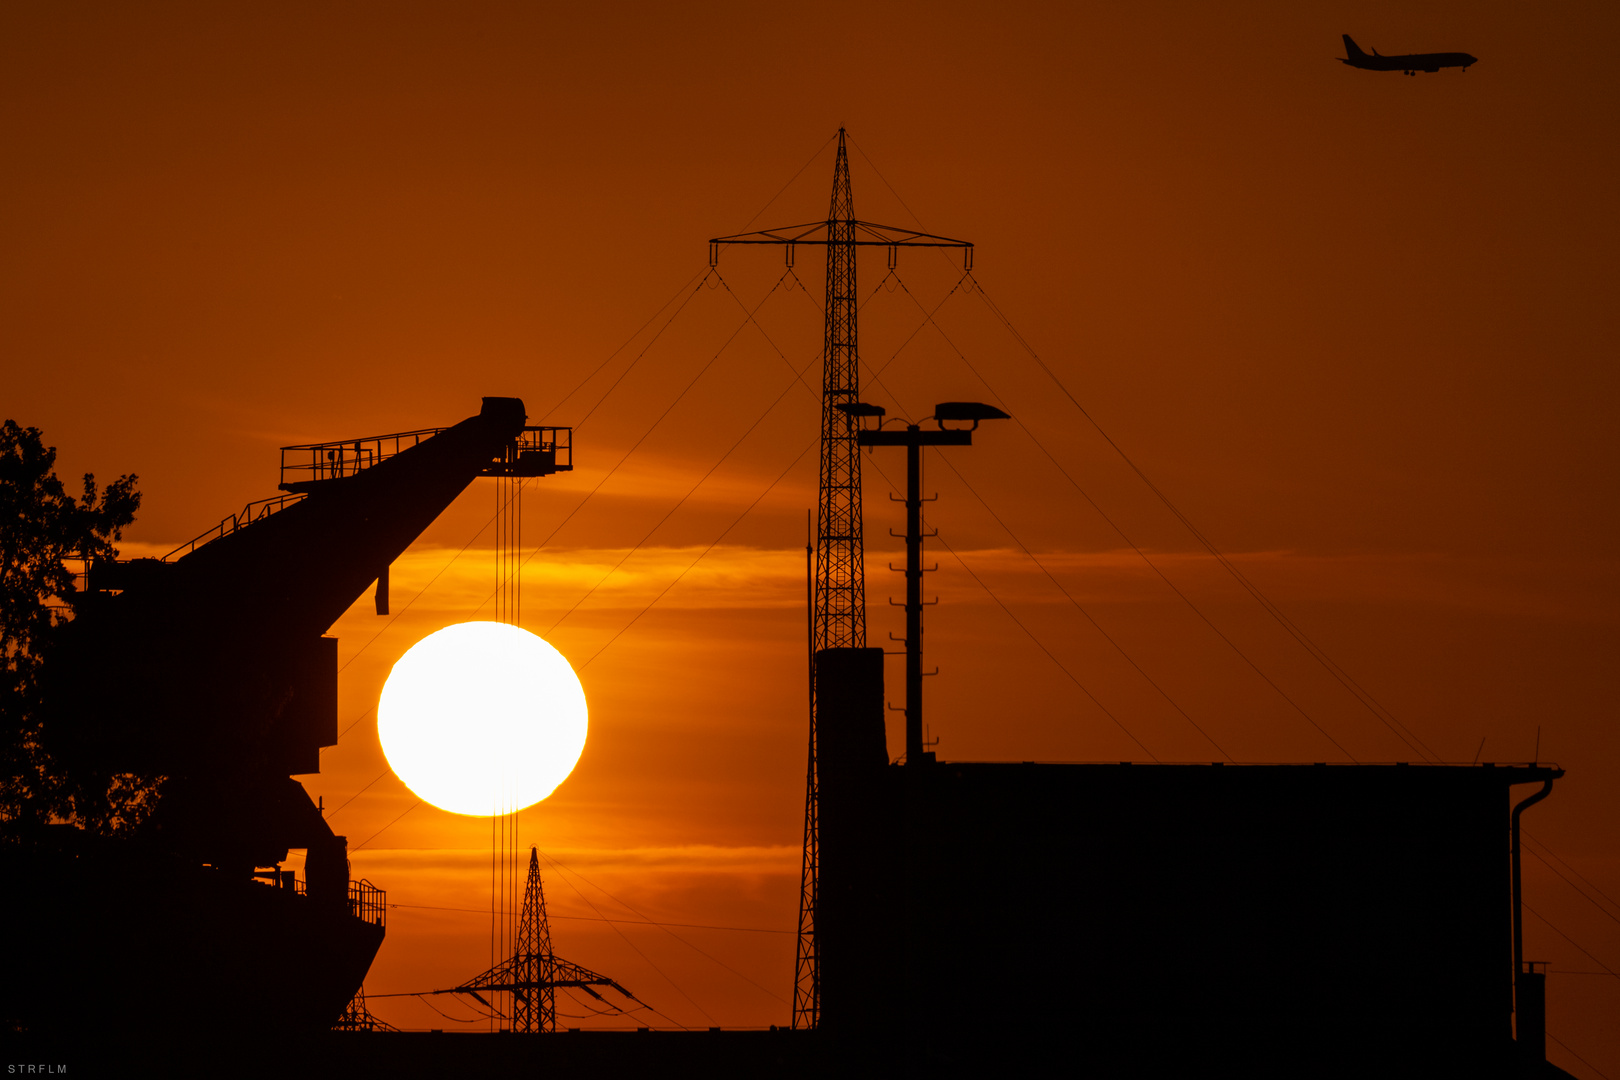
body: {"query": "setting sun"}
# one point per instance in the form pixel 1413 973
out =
pixel 482 718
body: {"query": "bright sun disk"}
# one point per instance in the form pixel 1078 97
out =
pixel 482 718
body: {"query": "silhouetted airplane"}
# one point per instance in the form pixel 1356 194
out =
pixel 1410 64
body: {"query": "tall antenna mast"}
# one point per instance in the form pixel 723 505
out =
pixel 838 597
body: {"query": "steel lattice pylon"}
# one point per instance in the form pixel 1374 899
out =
pixel 356 1017
pixel 840 583
pixel 533 974
pixel 838 596
pixel 532 962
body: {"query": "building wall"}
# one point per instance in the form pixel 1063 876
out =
pixel 1171 914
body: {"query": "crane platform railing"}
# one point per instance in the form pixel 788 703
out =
pixel 253 511
pixel 537 451
pixel 366 902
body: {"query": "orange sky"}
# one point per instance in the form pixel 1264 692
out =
pixel 1359 327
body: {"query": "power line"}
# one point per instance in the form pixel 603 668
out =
pixel 737 521
pixel 1609 914
pixel 1576 1056
pixel 622 922
pixel 1571 869
pixel 683 499
pixel 1571 940
pixel 590 1011
pixel 582 502
pixel 876 377
pixel 714 543
pixel 1082 609
pixel 621 348
pixel 890 186
pixel 637 444
pixel 386 827
pixel 333 813
pixel 412 600
pixel 500 509
pixel 638 952
pixel 1343 677
pixel 355 721
pixel 580 505
pixel 998 599
pixel 666 930
pixel 979 375
pixel 683 573
pixel 928 317
pixel 768 203
pixel 423 999
pixel 1030 634
pixel 645 349
pixel 1050 655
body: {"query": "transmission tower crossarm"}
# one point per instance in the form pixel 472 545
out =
pixel 867 234
pixel 570 974
pixel 500 977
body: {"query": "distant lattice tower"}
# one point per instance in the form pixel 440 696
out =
pixel 534 1001
pixel 533 974
pixel 356 1017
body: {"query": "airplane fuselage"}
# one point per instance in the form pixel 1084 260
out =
pixel 1410 63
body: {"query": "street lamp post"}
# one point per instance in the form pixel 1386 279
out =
pixel 914 438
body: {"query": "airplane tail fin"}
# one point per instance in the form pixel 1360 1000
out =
pixel 1351 49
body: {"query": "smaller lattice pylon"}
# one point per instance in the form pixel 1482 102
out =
pixel 356 1017
pixel 534 1008
pixel 534 974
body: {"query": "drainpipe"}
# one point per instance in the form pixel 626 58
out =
pixel 1529 991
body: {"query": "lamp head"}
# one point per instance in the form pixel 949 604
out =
pixel 967 410
pixel 860 409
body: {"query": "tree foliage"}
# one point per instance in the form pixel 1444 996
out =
pixel 42 529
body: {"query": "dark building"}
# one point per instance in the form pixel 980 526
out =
pixel 1162 919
